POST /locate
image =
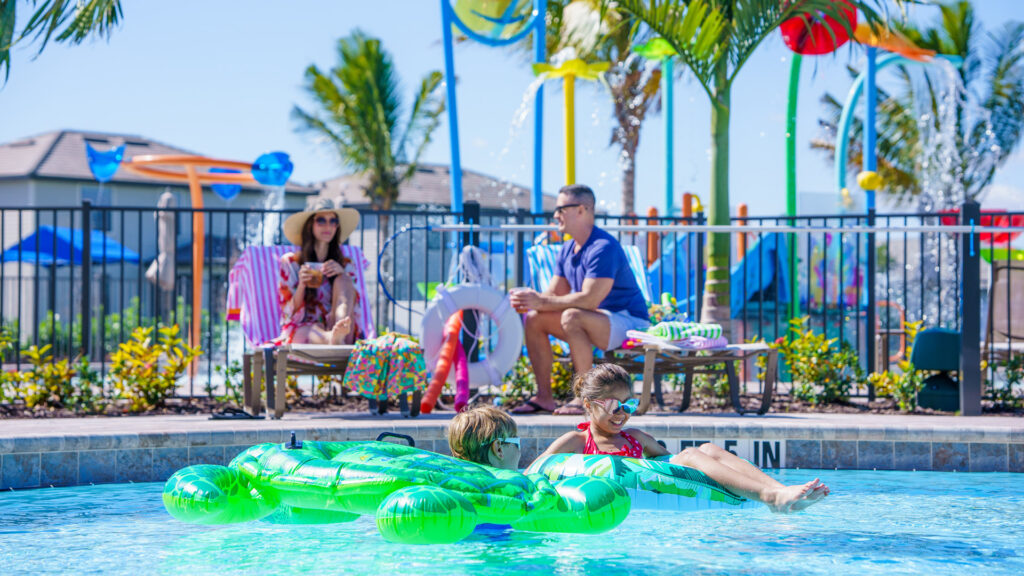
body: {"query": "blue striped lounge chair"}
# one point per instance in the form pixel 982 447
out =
pixel 652 360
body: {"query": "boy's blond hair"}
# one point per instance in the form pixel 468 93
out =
pixel 472 431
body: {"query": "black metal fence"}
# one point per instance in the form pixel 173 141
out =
pixel 65 269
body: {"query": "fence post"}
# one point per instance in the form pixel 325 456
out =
pixel 700 265
pixel 470 215
pixel 741 237
pixel 970 314
pixel 520 249
pixel 653 238
pixel 869 330
pixel 86 280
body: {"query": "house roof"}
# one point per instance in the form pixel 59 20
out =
pixel 431 185
pixel 61 155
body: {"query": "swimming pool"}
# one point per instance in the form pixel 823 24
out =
pixel 890 522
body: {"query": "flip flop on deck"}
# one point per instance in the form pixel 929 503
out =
pixel 533 408
pixel 570 410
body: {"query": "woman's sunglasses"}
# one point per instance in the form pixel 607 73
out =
pixel 513 441
pixel 629 406
pixel 323 221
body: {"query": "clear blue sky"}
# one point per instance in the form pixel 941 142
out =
pixel 220 78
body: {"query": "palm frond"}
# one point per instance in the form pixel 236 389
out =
pixel 8 15
pixel 424 118
pixel 66 21
pixel 358 107
pixel 751 21
pixel 695 30
pixel 1006 87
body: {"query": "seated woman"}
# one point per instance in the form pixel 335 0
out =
pixel 318 298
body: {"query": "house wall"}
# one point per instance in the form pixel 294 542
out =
pixel 29 203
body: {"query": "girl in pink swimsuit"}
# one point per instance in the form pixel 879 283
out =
pixel 606 392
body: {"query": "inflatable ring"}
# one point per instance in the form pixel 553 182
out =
pixel 417 497
pixel 482 298
pixel 652 484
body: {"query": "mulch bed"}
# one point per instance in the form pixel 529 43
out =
pixel 699 404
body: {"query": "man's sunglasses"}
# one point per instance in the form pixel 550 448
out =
pixel 513 441
pixel 629 406
pixel 323 221
pixel 560 209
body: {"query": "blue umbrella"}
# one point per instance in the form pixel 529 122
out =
pixel 59 245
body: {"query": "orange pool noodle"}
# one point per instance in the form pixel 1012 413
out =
pixel 444 362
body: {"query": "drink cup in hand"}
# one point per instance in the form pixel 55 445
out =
pixel 316 274
pixel 519 308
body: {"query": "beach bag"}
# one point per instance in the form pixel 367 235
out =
pixel 389 365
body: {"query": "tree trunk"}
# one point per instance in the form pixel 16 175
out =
pixel 716 290
pixel 628 165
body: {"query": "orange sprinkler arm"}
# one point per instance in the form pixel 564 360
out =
pixel 195 189
pixel 891 41
pixel 169 167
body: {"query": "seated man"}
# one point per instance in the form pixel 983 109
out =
pixel 485 435
pixel 592 301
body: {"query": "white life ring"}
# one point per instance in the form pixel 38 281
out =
pixel 487 300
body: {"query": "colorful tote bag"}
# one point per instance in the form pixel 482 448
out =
pixel 389 365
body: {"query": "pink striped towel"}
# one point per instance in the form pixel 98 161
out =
pixel 252 291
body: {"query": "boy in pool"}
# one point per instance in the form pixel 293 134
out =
pixel 606 394
pixel 485 435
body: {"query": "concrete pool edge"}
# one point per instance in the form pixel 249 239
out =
pixel 66 452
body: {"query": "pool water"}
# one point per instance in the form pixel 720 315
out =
pixel 888 522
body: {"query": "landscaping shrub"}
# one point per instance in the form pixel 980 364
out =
pixel 822 372
pixel 1008 395
pixel 146 372
pixel 904 386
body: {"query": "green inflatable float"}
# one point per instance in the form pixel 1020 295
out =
pixel 417 496
pixel 652 484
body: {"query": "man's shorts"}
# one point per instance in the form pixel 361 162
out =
pixel 621 322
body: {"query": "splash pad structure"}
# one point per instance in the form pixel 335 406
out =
pixel 271 169
pixel 493 23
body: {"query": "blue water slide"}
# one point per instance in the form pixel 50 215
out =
pixel 675 271
pixel 764 266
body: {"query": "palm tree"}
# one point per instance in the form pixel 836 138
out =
pixel 992 70
pixel 358 109
pixel 598 32
pixel 64 21
pixel 715 38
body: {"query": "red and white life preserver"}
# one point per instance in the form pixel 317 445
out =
pixel 487 300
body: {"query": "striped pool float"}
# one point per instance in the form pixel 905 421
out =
pixel 252 291
pixel 683 330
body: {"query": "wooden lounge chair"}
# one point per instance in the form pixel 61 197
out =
pixel 1004 333
pixel 654 359
pixel 253 300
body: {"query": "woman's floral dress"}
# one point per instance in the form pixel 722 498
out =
pixel 315 311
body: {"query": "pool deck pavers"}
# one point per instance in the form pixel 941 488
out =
pixel 72 451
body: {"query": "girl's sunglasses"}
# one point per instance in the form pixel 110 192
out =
pixel 629 406
pixel 323 221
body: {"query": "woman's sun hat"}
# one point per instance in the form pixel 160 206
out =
pixel 348 219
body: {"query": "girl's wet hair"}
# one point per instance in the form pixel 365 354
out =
pixel 602 381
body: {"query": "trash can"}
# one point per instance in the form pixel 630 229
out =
pixel 938 349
